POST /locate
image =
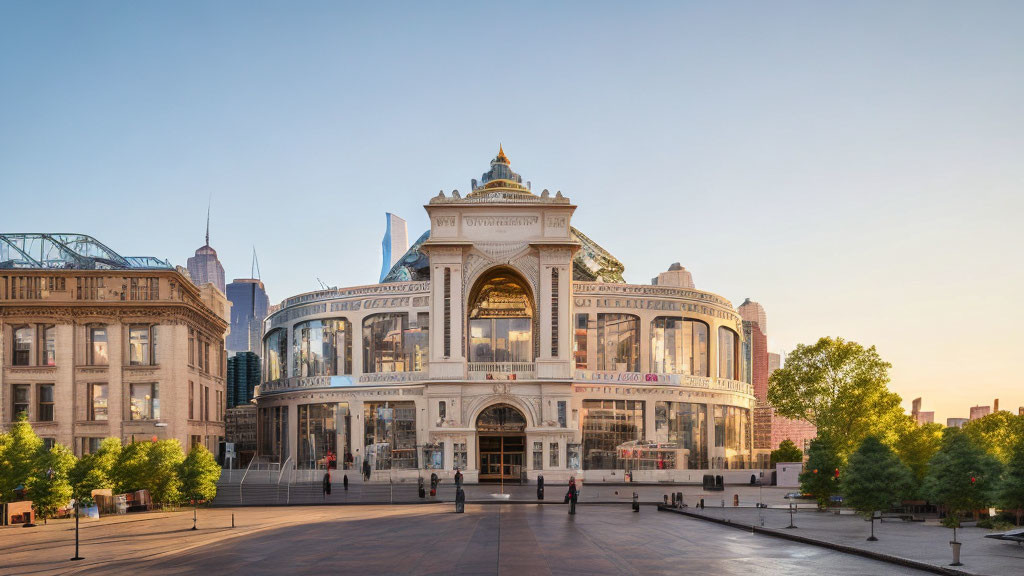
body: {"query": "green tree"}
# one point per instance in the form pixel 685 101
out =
pixel 819 475
pixel 19 459
pixel 131 468
pixel 962 477
pixel 164 462
pixel 1011 490
pixel 199 473
pixel 875 478
pixel 997 433
pixel 95 471
pixel 842 388
pixel 49 487
pixel 786 452
pixel 916 447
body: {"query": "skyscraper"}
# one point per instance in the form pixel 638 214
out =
pixel 754 312
pixel 980 411
pixel 395 243
pixel 204 266
pixel 243 375
pixel 249 306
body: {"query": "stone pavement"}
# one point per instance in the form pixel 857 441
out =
pixel 926 542
pixel 430 539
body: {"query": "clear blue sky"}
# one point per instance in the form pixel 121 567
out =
pixel 855 167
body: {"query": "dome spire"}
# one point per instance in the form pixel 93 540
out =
pixel 501 156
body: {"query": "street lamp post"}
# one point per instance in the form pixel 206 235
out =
pixel 77 556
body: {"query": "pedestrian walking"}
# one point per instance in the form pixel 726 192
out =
pixel 366 470
pixel 327 484
pixel 572 495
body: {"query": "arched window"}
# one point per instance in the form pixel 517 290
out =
pixel 501 315
pixel 275 353
pixel 728 353
pixel 322 347
pixel 679 346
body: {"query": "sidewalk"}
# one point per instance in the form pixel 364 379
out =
pixel 925 542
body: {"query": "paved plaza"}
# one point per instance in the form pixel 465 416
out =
pixel 427 539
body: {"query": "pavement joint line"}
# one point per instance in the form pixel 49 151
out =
pixel 898 560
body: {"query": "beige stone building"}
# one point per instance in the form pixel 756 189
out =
pixel 94 345
pixel 505 343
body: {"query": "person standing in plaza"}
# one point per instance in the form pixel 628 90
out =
pixel 366 469
pixel 458 479
pixel 572 495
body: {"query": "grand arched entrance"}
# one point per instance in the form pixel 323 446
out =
pixel 501 437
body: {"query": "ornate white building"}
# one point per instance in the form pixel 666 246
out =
pixel 505 343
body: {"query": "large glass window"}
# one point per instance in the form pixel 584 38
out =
pixel 275 353
pixel 679 346
pixel 98 401
pixel 580 343
pixel 500 340
pixel 323 434
pixel 322 347
pixel 273 433
pixel 679 428
pixel 48 346
pixel 390 434
pixel 607 426
pixel 391 344
pixel 97 352
pixel 44 410
pixel 22 346
pixel 618 342
pixel 732 432
pixel 145 401
pixel 728 353
pixel 139 345
pixel 500 319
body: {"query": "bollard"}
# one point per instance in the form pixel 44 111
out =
pixel 636 501
pixel 232 520
pixel 422 491
pixel 735 499
pixel 540 487
pixel 679 500
pixel 345 481
pixel 701 503
pixel 460 501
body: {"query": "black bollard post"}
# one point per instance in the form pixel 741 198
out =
pixel 540 487
pixel 232 520
pixel 77 556
pixel 460 501
pixel 636 501
pixel 345 481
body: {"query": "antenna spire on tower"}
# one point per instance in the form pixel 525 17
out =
pixel 208 202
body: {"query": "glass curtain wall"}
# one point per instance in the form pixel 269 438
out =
pixel 683 425
pixel 728 353
pixel 390 344
pixel 500 340
pixel 608 424
pixel 273 433
pixel 322 348
pixel 679 346
pixel 323 434
pixel 389 434
pixel 275 353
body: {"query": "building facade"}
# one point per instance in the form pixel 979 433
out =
pixel 243 375
pixel 249 308
pixel 506 344
pixel 96 345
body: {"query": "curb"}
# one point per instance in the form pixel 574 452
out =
pixel 823 544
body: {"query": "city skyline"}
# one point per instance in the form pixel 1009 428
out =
pixel 868 200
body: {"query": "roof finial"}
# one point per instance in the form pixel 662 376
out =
pixel 501 155
pixel 208 202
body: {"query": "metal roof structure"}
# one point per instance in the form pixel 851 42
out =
pixel 68 251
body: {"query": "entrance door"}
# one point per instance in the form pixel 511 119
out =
pixel 501 457
pixel 502 442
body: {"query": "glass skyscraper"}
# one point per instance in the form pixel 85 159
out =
pixel 249 306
